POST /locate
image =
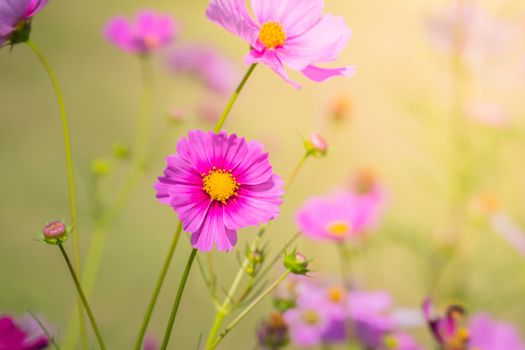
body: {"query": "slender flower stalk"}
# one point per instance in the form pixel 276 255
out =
pixel 44 329
pixel 70 174
pixel 344 255
pixel 233 98
pixel 295 171
pixel 249 308
pixel 178 298
pixel 99 234
pixel 83 298
pixel 158 286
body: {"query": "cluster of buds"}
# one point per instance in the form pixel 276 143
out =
pixel 255 258
pixel 55 232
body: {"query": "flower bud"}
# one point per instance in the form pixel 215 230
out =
pixel 55 232
pixel 316 145
pixel 296 263
pixel 120 150
pixel 273 332
pixel 100 167
pixel 341 108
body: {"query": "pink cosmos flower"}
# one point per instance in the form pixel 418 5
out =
pixel 205 64
pixel 23 335
pixel 293 33
pixel 307 324
pixel 337 217
pixel 448 330
pixel 217 184
pixel 486 333
pixel 402 341
pixel 148 32
pixel 13 13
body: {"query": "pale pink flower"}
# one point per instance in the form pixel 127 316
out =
pixel 486 113
pixel 292 33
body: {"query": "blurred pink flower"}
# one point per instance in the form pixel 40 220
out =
pixel 486 113
pixel 291 33
pixel 509 230
pixel 207 65
pixel 307 324
pixel 486 333
pixel 146 33
pixel 471 31
pixel 370 318
pixel 219 183
pixel 150 343
pixel 340 216
pixel 402 341
pixel 21 335
pixel 13 13
pixel 208 112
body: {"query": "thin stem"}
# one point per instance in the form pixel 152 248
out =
pixel 70 174
pixel 83 298
pixel 344 256
pixel 178 298
pixel 246 311
pixel 44 329
pixel 295 171
pixel 158 286
pixel 233 98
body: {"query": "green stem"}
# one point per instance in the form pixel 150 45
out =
pixel 295 171
pixel 70 174
pixel 178 298
pixel 233 98
pixel 344 256
pixel 158 286
pixel 242 314
pixel 83 298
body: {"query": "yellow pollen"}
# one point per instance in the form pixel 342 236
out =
pixel 310 317
pixel 272 35
pixel 335 294
pixel 338 228
pixel 220 185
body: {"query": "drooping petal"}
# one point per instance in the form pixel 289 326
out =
pixel 233 16
pixel 270 59
pixel 321 74
pixel 119 32
pixel 213 232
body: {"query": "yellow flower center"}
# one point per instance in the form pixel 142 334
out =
pixel 219 184
pixel 338 228
pixel 151 41
pixel 335 294
pixel 272 35
pixel 310 317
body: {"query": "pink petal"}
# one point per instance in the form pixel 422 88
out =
pixel 119 32
pixel 213 232
pixel 296 16
pixel 270 59
pixel 34 7
pixel 233 16
pixel 321 74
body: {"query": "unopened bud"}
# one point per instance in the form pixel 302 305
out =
pixel 55 232
pixel 296 263
pixel 120 150
pixel 316 145
pixel 100 167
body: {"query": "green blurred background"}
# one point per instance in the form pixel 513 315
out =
pixel 398 125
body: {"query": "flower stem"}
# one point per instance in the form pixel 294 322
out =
pixel 296 171
pixel 246 311
pixel 70 174
pixel 178 298
pixel 83 298
pixel 233 98
pixel 158 286
pixel 344 256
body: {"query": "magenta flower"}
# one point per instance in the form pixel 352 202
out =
pixel 486 333
pixel 307 324
pixel 217 184
pixel 294 33
pixel 205 64
pixel 148 32
pixel 14 14
pixel 20 335
pixel 402 341
pixel 448 330
pixel 336 217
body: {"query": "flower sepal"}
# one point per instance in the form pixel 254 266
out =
pixel 296 263
pixel 21 33
pixel 56 232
